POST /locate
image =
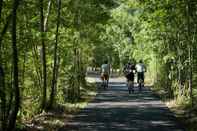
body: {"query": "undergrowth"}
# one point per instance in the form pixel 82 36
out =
pixel 59 115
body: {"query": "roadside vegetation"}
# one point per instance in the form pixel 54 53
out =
pixel 46 47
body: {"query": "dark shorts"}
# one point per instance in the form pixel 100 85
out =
pixel 130 77
pixel 140 75
pixel 104 76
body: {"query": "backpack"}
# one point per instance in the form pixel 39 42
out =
pixel 127 70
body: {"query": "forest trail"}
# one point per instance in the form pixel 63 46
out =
pixel 116 110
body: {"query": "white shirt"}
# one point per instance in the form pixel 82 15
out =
pixel 105 68
pixel 140 67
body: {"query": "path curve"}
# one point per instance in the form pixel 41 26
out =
pixel 116 110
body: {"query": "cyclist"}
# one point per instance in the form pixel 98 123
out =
pixel 129 71
pixel 105 71
pixel 140 68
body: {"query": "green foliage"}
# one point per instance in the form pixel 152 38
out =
pixel 161 33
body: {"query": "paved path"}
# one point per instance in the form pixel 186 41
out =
pixel 116 110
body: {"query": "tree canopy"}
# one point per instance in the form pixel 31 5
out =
pixel 46 47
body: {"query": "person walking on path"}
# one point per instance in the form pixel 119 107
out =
pixel 141 69
pixel 129 70
pixel 105 72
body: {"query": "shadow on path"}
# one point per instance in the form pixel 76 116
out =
pixel 116 110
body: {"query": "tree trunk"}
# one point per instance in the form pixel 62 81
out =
pixel 47 15
pixel 55 70
pixel 3 99
pixel 2 84
pixel 44 70
pixel 43 24
pixel 188 7
pixel 12 120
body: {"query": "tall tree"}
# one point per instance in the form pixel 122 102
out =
pixel 12 119
pixel 43 54
pixel 55 66
pixel 189 34
pixel 3 99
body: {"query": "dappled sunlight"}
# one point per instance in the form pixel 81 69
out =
pixel 90 79
pixel 115 109
pixel 126 104
pixel 165 123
